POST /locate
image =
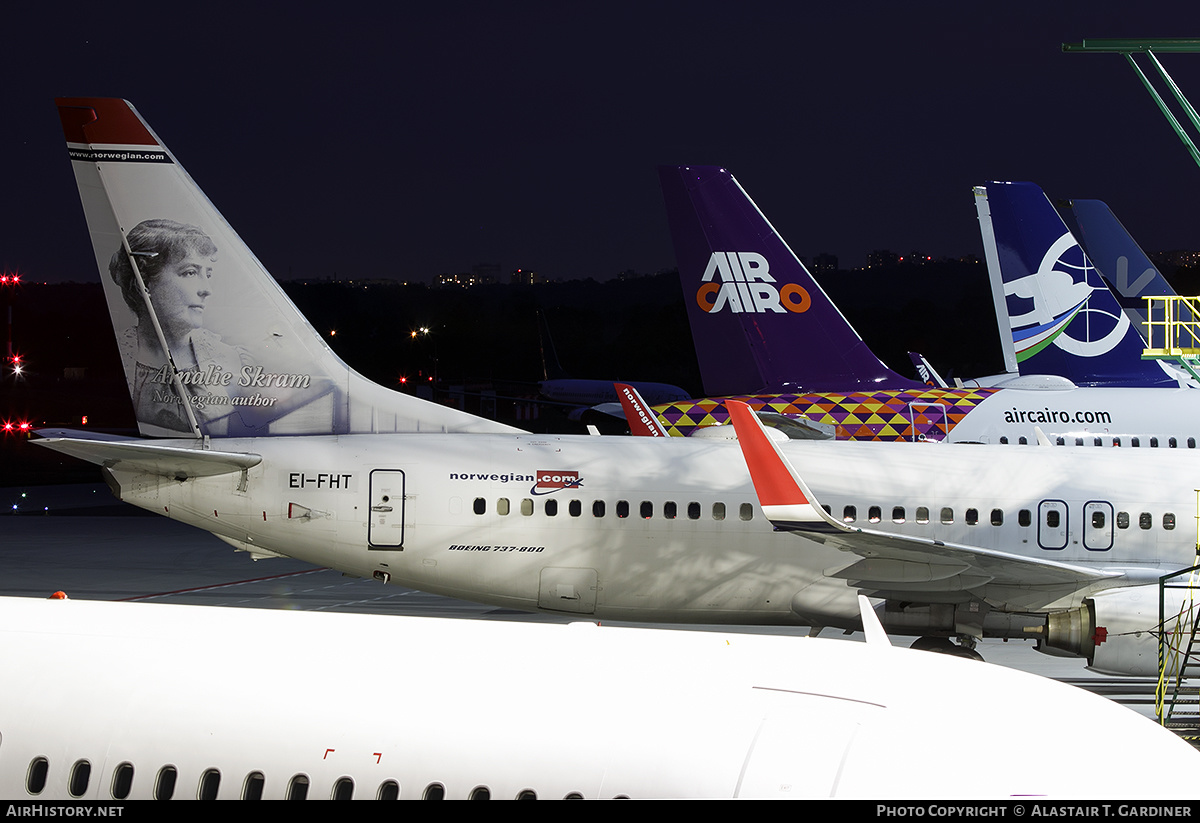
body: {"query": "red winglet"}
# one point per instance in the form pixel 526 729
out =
pixel 772 480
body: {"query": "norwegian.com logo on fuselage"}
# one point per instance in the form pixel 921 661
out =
pixel 745 285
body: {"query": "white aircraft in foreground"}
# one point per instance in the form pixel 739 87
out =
pixel 269 441
pixel 135 701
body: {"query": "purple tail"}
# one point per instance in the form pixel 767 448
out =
pixel 759 320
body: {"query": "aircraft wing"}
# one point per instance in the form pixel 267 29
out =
pixel 179 462
pixel 892 562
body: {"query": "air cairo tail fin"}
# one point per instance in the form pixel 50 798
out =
pixel 211 345
pixel 1063 319
pixel 759 320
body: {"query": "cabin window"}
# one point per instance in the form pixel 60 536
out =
pixel 1023 440
pixel 122 781
pixel 718 511
pixel 343 789
pixel 81 773
pixel 1116 441
pixel 480 793
pixel 1145 520
pixel 1096 441
pixel 1059 441
pixel 622 508
pixel 972 517
pixel 1191 442
pixel 874 514
pixel 1024 517
pixel 575 508
pixel 434 791
pixel 1171 443
pixel 1052 518
pixel 480 505
pixel 1003 441
pixel 997 517
pixel 527 794
pixel 1168 521
pixel 922 514
pixel 573 796
pixel 502 506
pixel 1078 441
pixel 947 515
pixel 670 510
pixel 746 512
pixel 551 507
pixel 210 784
pixel 388 790
pixel 526 506
pixel 1154 442
pixel 164 783
pixel 252 789
pixel 1097 519
pixel 298 787
pixel 646 510
pixel 897 514
pixel 849 514
pixel 693 511
pixel 1122 520
pixel 597 508
pixel 35 780
pixel 1135 442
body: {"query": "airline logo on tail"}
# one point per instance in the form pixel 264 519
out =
pixel 745 286
pixel 1058 298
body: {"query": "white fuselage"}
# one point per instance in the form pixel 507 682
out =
pixel 123 701
pixel 668 529
pixel 1085 414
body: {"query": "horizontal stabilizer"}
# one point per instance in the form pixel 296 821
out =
pixel 179 462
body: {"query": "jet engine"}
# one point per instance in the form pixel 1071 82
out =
pixel 1118 630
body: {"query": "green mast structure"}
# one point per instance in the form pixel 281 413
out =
pixel 1150 46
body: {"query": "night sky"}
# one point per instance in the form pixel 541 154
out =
pixel 364 143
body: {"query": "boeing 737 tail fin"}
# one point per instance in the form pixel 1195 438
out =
pixel 1063 319
pixel 210 343
pixel 1118 258
pixel 759 320
pixel 638 414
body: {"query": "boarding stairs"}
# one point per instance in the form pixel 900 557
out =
pixel 1173 331
pixel 1177 698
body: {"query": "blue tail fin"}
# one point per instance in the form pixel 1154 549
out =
pixel 759 320
pixel 1118 258
pixel 1064 320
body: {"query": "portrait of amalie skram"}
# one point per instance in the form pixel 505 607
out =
pixel 229 392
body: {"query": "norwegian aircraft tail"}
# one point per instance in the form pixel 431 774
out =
pixel 210 343
pixel 759 320
pixel 1063 319
pixel 638 414
pixel 1118 258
